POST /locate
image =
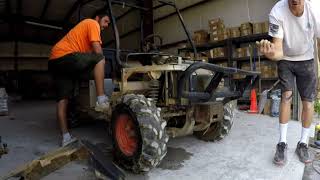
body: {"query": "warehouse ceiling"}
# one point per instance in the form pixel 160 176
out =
pixel 46 21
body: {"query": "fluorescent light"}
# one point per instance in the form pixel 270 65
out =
pixel 44 25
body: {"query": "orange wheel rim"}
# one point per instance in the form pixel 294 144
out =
pixel 126 135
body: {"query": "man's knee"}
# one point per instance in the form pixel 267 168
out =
pixel 287 97
pixel 307 105
pixel 102 61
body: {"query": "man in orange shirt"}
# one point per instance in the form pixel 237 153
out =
pixel 78 52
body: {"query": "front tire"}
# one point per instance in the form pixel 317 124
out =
pixel 138 132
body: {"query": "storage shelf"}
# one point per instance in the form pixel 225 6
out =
pixel 269 79
pixel 223 43
pixel 242 59
pixel 230 45
pixel 250 38
pixel 248 58
pixel 217 60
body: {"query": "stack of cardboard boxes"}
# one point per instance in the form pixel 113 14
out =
pixel 217 30
pixel 247 67
pixel 200 37
pixel 246 29
pixel 216 53
pixel 267 69
pixel 242 52
pixel 234 32
pixel 259 28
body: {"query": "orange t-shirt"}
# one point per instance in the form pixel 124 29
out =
pixel 78 39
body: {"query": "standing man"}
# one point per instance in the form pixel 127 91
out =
pixel 293 26
pixel 78 53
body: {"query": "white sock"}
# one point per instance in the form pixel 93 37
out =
pixel 102 99
pixel 66 136
pixel 283 132
pixel 304 135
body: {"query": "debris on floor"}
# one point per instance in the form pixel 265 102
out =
pixel 79 150
pixel 3 102
pixel 312 170
pixel 3 148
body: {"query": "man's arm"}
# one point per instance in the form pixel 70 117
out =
pixel 274 50
pixel 96 48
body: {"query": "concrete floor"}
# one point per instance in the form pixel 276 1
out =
pixel 245 154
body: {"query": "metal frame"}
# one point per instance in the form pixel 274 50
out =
pixel 116 32
pixel 210 93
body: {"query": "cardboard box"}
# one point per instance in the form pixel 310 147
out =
pixel 200 36
pixel 265 27
pixel 215 38
pixel 246 32
pixel 269 70
pixel 242 52
pixel 259 28
pixel 220 32
pixel 216 27
pixel 223 64
pixel 234 32
pixel 215 21
pixel 245 26
pixel 216 53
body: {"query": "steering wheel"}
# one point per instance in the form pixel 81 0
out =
pixel 150 44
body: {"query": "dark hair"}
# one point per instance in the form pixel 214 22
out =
pixel 101 14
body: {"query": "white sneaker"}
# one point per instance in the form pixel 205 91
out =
pixel 66 142
pixel 102 107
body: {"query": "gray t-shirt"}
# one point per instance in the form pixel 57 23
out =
pixel 297 32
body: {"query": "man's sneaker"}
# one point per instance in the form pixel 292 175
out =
pixel 303 153
pixel 102 107
pixel 66 142
pixel 280 158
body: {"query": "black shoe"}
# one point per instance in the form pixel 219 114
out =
pixel 280 158
pixel 303 153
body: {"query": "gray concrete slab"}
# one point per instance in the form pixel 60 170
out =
pixel 245 154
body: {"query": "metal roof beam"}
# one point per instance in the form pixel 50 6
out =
pixel 74 7
pixel 45 8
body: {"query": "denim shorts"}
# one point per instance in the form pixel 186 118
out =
pixel 305 74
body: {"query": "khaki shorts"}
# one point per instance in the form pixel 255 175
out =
pixel 69 69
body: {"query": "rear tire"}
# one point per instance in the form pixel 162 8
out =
pixel 218 130
pixel 148 146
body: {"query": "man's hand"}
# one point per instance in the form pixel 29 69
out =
pixel 271 50
pixel 266 47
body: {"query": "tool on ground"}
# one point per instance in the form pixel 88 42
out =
pixel 3 148
pixel 102 163
pixel 52 161
pixel 264 96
